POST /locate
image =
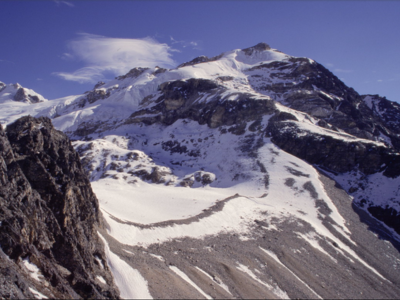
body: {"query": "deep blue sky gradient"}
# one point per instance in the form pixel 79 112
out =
pixel 359 41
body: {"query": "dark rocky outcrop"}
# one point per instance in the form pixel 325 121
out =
pixel 133 73
pixel 159 70
pixel 259 47
pixel 309 87
pixel 48 217
pixel 199 60
pixel 335 154
pixel 2 86
pixel 95 95
pixel 387 215
pixel 182 100
pixel 389 113
pixel 22 96
pixel 99 84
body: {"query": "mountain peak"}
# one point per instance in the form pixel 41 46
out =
pixel 16 92
pixel 259 47
pixel 199 60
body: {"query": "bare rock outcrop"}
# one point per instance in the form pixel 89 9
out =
pixel 23 96
pixel 49 218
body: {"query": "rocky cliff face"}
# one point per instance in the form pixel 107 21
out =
pixel 49 218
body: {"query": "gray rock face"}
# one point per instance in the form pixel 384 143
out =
pixel 389 114
pixel 95 95
pixel 22 96
pixel 259 47
pixel 180 100
pixel 332 153
pixel 199 60
pixel 135 72
pixel 99 84
pixel 307 86
pixel 49 218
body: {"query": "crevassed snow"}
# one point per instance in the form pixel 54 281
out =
pixel 129 281
pixel 188 280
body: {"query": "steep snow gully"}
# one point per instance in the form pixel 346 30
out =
pixel 252 174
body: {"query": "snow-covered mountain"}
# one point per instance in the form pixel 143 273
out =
pixel 251 174
pixel 15 92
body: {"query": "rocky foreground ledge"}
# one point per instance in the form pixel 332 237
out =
pixel 49 217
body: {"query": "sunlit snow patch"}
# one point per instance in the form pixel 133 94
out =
pixel 276 290
pixel 188 280
pixel 37 294
pixel 34 271
pixel 274 257
pixel 128 280
pixel 218 281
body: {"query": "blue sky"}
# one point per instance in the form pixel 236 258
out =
pixel 59 48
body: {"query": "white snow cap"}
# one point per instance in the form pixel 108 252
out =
pixel 16 92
